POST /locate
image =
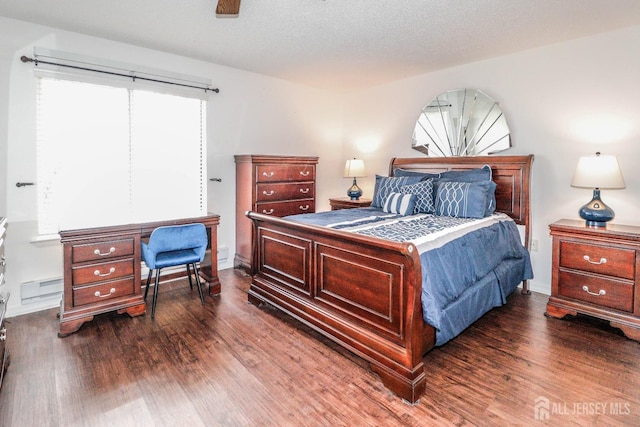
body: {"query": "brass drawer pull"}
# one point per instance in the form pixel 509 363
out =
pixel 111 271
pixel 267 175
pixel 602 260
pixel 304 190
pixel 304 173
pixel 3 334
pixel 111 250
pixel 270 193
pixel 111 292
pixel 304 208
pixel 264 211
pixel 600 292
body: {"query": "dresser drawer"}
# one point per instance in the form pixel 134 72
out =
pixel 596 290
pixel 287 208
pixel 290 172
pixel 101 250
pixel 284 191
pixel 104 291
pixel 606 260
pixel 104 271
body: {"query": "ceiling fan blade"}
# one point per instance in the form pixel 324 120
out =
pixel 228 7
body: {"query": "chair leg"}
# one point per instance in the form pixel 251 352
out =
pixel 195 269
pixel 189 276
pixel 155 294
pixel 146 289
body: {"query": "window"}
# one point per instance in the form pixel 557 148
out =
pixel 114 155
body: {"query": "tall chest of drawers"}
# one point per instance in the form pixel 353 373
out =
pixel 595 272
pixel 271 185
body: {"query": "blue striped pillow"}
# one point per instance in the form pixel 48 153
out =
pixel 399 203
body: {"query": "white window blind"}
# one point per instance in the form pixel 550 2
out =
pixel 112 155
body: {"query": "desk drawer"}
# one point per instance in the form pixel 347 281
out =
pixel 104 271
pixel 287 208
pixel 596 290
pixel 284 191
pixel 293 172
pixel 102 250
pixel 615 262
pixel 104 291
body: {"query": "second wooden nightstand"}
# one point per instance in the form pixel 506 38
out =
pixel 346 203
pixel 595 272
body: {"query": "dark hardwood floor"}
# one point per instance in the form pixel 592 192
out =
pixel 233 364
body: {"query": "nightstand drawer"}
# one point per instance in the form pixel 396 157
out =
pixel 105 271
pixel 102 250
pixel 104 291
pixel 596 290
pixel 284 191
pixel 606 260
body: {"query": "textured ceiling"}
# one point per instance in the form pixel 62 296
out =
pixel 334 44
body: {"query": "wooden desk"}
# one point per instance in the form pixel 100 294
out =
pixel 102 269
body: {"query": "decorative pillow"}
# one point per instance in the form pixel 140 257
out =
pixel 471 175
pixel 474 175
pixel 423 191
pixel 399 203
pixel 423 175
pixel 462 199
pixel 387 185
pixel 491 199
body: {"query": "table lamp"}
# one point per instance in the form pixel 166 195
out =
pixel 354 169
pixel 597 172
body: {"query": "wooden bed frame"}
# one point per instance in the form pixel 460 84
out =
pixel 364 293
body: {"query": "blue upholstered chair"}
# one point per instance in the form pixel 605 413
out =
pixel 171 246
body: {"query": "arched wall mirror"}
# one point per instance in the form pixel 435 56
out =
pixel 462 122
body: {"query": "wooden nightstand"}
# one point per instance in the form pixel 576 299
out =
pixel 346 203
pixel 595 272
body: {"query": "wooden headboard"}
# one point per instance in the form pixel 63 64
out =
pixel 510 173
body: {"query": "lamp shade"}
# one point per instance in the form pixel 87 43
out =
pixel 354 168
pixel 598 171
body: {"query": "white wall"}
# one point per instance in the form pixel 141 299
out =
pixel 561 101
pixel 251 114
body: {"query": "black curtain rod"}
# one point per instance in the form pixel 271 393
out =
pixel 37 61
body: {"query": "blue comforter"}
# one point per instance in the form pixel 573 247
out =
pixel 468 265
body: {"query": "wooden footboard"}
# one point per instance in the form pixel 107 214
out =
pixel 361 292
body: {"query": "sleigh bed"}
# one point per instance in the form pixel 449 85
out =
pixel 366 293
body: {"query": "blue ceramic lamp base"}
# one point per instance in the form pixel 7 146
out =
pixel 596 213
pixel 354 191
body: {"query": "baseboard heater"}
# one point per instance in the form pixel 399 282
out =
pixel 40 290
